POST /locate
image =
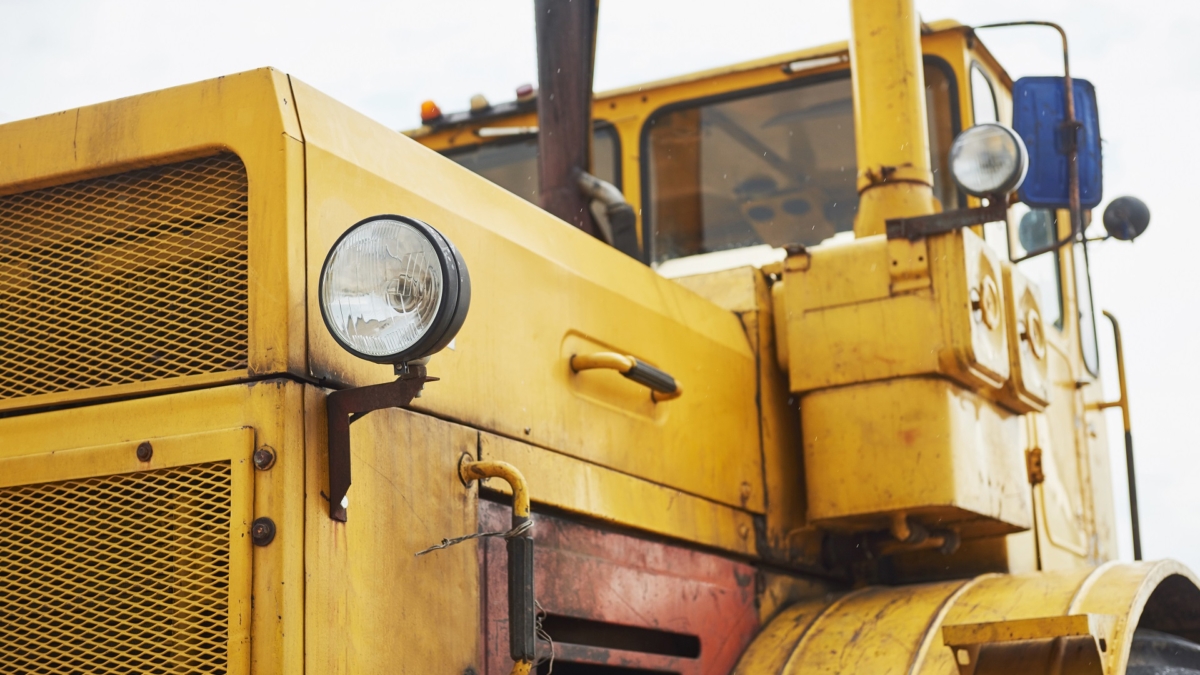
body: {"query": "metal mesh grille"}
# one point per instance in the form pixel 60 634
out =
pixel 117 574
pixel 128 278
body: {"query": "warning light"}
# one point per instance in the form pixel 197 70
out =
pixel 430 111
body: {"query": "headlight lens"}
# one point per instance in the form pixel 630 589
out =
pixel 393 290
pixel 988 159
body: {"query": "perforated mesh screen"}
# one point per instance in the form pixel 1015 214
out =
pixel 133 277
pixel 117 574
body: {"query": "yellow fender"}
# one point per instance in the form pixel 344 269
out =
pixel 1079 621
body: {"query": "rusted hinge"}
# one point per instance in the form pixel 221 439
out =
pixel 1033 465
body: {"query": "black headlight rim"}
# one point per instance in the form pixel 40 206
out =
pixel 452 310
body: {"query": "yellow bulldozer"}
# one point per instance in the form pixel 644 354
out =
pixel 785 367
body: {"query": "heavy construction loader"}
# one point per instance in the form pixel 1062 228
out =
pixel 785 367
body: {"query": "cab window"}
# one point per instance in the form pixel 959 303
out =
pixel 1036 229
pixel 512 163
pixel 983 99
pixel 775 167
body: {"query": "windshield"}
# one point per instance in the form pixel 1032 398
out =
pixel 512 163
pixel 771 168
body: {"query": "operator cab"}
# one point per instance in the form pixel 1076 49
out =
pixel 739 162
pixel 729 167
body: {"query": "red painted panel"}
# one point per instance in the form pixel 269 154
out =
pixel 582 572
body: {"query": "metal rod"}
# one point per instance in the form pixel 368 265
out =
pixel 1123 404
pixel 1071 124
pixel 1133 504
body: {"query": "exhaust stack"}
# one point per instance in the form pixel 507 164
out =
pixel 894 177
pixel 566 49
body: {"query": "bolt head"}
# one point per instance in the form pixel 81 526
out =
pixel 262 531
pixel 264 458
pixel 145 451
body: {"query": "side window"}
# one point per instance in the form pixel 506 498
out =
pixel 1087 314
pixel 941 105
pixel 512 163
pixel 767 169
pixel 983 98
pixel 1036 229
pixel 773 168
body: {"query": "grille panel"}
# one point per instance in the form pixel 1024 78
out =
pixel 117 574
pixel 128 278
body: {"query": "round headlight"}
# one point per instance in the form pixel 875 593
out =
pixel 393 290
pixel 988 159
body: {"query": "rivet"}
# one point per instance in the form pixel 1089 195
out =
pixel 264 458
pixel 145 451
pixel 262 531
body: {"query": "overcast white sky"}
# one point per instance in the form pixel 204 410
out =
pixel 384 58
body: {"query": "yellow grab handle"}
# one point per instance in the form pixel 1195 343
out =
pixel 662 386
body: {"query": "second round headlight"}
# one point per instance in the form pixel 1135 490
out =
pixel 393 290
pixel 988 159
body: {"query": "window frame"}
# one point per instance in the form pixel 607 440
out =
pixel 647 203
pixel 1084 276
pixel 598 125
pixel 977 67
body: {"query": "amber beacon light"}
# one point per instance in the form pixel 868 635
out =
pixel 394 290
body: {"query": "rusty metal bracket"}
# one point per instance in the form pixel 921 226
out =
pixel 346 406
pixel 920 227
pixel 1053 644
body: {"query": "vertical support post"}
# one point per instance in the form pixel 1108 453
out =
pixel 566 45
pixel 891 132
pixel 1123 404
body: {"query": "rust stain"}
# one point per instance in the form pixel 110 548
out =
pixel 612 584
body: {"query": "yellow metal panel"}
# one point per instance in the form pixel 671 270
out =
pixel 1059 499
pixel 567 483
pixel 537 283
pixel 788 534
pixel 888 643
pixel 776 645
pixel 735 290
pixel 1027 388
pixel 252 115
pixel 1017 596
pixel 921 446
pixel 176 527
pixel 279 569
pixel 1157 595
pixel 744 290
pixel 272 409
pixel 906 629
pixel 848 323
pixel 371 605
